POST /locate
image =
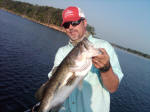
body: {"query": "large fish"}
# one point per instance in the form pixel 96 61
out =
pixel 67 76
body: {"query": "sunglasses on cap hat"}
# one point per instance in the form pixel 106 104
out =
pixel 73 23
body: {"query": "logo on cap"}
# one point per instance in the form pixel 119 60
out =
pixel 68 13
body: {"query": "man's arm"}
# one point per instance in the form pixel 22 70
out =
pixel 109 79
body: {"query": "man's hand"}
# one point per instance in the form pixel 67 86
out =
pixel 109 79
pixel 102 60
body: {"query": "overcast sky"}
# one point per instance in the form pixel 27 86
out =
pixel 124 22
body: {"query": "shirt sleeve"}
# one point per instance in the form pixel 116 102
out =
pixel 114 61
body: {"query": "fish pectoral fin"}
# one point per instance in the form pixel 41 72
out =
pixel 40 92
pixel 71 79
pixel 58 87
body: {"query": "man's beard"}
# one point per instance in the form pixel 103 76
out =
pixel 75 42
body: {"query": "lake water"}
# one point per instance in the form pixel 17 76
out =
pixel 27 52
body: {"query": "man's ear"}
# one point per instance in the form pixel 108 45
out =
pixel 85 22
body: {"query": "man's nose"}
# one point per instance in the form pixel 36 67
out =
pixel 70 26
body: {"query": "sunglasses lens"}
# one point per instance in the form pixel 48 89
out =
pixel 73 23
pixel 66 25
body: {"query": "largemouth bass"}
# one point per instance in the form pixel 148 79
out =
pixel 67 76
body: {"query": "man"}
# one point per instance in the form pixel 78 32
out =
pixel 105 74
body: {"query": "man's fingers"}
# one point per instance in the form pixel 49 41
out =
pixel 98 64
pixel 103 51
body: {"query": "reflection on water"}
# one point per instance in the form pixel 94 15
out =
pixel 27 52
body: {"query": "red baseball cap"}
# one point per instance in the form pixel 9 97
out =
pixel 72 14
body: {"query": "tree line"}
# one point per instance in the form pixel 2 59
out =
pixel 43 14
pixel 132 51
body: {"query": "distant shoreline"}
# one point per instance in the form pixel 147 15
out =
pixel 31 19
pixel 132 51
pixel 61 29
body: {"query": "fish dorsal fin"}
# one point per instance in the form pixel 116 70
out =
pixel 40 92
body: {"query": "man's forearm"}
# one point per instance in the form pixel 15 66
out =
pixel 110 80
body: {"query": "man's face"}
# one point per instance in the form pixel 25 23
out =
pixel 76 32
